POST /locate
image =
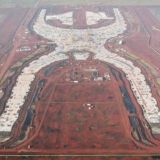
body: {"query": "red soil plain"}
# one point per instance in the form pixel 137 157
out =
pixel 85 118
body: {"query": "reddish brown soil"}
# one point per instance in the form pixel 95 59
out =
pixel 63 123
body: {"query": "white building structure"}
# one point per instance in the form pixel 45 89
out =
pixel 95 17
pixel 65 18
pixel 81 55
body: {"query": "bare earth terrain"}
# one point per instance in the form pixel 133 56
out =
pixel 79 82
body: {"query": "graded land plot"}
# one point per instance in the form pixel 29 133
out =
pixel 84 117
pixel 74 126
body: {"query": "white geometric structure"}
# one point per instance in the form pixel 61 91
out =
pixel 65 18
pixel 81 55
pixel 94 17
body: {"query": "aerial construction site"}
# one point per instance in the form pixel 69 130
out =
pixel 80 80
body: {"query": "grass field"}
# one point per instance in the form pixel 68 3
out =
pixel 26 3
